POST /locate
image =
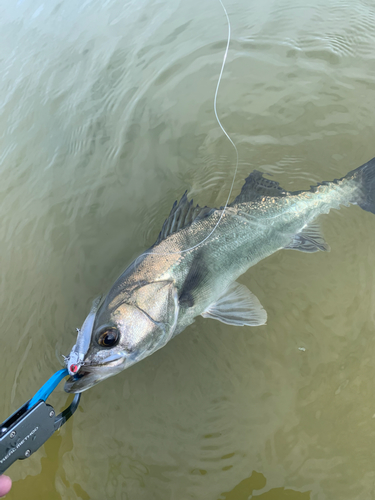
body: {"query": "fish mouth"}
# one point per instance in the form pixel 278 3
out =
pixel 80 382
pixel 90 375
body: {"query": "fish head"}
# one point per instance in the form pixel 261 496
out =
pixel 128 326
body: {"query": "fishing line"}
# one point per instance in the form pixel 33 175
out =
pixel 225 133
pixel 76 358
pixel 229 139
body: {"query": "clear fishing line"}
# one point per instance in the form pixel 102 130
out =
pixel 229 139
pixel 225 133
pixel 76 358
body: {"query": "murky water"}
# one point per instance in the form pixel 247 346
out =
pixel 106 117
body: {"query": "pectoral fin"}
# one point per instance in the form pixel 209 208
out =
pixel 237 306
pixel 309 240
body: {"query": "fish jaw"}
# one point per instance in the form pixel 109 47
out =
pixel 90 375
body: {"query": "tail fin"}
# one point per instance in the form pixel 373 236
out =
pixel 364 176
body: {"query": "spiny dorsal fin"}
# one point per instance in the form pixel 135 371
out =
pixel 182 215
pixel 256 187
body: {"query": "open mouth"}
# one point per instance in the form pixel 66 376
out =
pixel 82 380
pixel 89 375
pixel 81 373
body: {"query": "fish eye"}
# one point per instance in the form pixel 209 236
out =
pixel 108 338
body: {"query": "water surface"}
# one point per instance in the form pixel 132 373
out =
pixel 106 117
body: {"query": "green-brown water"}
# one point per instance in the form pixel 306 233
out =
pixel 106 117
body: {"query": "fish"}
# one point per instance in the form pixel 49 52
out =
pixel 192 268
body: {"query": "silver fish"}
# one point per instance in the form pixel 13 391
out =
pixel 165 288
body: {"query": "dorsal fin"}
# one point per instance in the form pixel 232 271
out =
pixel 182 215
pixel 256 187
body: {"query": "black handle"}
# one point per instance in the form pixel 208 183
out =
pixel 27 430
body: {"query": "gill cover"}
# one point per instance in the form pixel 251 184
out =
pixel 148 318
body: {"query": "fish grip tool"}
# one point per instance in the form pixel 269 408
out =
pixel 32 424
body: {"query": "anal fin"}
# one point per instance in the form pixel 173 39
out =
pixel 237 306
pixel 309 240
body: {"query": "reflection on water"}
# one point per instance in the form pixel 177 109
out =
pixel 106 117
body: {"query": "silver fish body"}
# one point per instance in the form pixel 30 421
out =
pixel 192 269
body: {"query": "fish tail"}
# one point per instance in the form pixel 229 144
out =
pixel 364 179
